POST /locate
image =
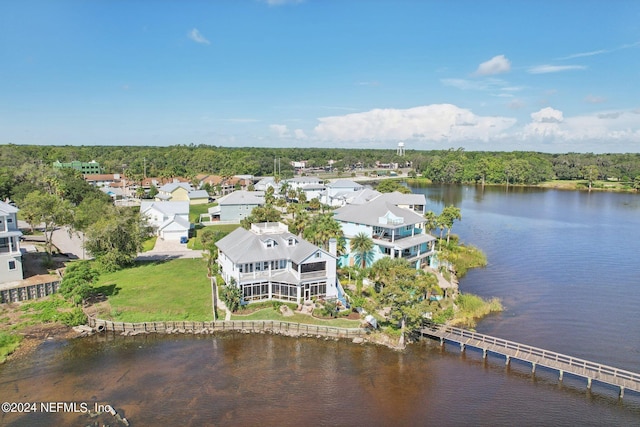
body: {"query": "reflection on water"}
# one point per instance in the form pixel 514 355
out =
pixel 563 262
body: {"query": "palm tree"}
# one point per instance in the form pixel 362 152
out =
pixel 448 216
pixel 362 247
pixel 322 228
pixel 431 222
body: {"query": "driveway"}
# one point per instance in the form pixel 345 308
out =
pixel 168 249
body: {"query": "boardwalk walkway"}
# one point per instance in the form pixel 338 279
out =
pixel 562 363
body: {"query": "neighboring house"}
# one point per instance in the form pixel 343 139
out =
pixel 10 254
pixel 174 191
pixel 103 179
pixel 225 185
pixel 236 206
pixel 360 197
pixel 269 263
pixel 313 191
pixel 170 220
pixel 338 192
pixel 301 181
pixel 115 193
pixel 415 202
pixel 266 182
pixel 397 232
pixel 182 191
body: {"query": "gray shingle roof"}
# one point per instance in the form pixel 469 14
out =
pixel 7 208
pixel 345 183
pixel 244 246
pixel 169 188
pixel 167 208
pixel 369 213
pixel 398 198
pixel 242 197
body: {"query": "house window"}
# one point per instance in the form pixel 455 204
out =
pixel 318 255
pixel 12 265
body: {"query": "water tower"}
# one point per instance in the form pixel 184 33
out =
pixel 400 151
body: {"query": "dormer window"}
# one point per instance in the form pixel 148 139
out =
pixel 291 241
pixel 270 243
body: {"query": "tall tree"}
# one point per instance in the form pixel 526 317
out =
pixel 265 213
pixel 362 247
pixel 590 174
pixel 448 216
pixel 403 291
pixel 116 238
pixel 321 228
pixel 431 222
pixel 50 211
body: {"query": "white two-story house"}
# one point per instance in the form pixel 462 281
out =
pixel 170 220
pixel 394 223
pixel 10 255
pixel 269 263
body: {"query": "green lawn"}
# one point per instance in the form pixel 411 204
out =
pixel 271 314
pixel 173 290
pixel 196 210
pixel 194 243
pixel 148 244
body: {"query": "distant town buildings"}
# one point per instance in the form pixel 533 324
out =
pixel 85 168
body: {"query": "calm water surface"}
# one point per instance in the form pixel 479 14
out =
pixel 564 263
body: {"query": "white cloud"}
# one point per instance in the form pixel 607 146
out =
pixel 436 122
pixel 600 51
pixel 197 37
pixel 607 126
pixel 547 115
pixel 496 65
pixel 281 130
pixel 544 69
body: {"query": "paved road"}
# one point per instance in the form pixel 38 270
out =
pixel 69 244
pixel 72 246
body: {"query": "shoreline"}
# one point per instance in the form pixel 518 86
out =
pixel 560 185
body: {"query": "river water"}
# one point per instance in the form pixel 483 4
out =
pixel 564 264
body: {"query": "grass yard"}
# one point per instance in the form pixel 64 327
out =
pixel 173 290
pixel 148 244
pixel 194 243
pixel 271 314
pixel 196 210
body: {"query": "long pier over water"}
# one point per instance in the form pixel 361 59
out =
pixel 562 363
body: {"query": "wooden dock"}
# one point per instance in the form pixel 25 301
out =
pixel 624 380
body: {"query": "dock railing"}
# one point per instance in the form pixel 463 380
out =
pixel 536 356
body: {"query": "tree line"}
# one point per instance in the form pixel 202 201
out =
pixel 446 166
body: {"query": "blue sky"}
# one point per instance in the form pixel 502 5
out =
pixel 552 76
